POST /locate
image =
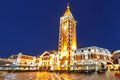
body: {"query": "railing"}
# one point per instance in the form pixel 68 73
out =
pixel 4 67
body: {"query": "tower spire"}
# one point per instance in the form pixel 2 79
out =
pixel 68 5
pixel 67 10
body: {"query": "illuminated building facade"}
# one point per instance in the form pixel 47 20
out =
pixel 116 59
pixel 91 58
pixel 47 60
pixel 22 60
pixel 67 39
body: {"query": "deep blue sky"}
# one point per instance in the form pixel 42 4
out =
pixel 32 26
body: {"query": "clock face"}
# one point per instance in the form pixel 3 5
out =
pixel 65 26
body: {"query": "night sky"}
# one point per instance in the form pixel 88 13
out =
pixel 32 26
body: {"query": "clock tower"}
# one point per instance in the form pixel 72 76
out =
pixel 67 39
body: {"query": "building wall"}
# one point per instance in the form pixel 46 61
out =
pixel 47 60
pixel 23 60
pixel 116 59
pixel 91 58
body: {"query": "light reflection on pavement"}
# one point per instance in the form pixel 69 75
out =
pixel 56 76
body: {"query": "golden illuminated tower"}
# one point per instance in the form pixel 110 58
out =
pixel 67 38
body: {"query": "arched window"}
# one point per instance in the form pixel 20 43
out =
pixel 89 55
pixel 82 50
pixel 89 50
pixel 83 56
